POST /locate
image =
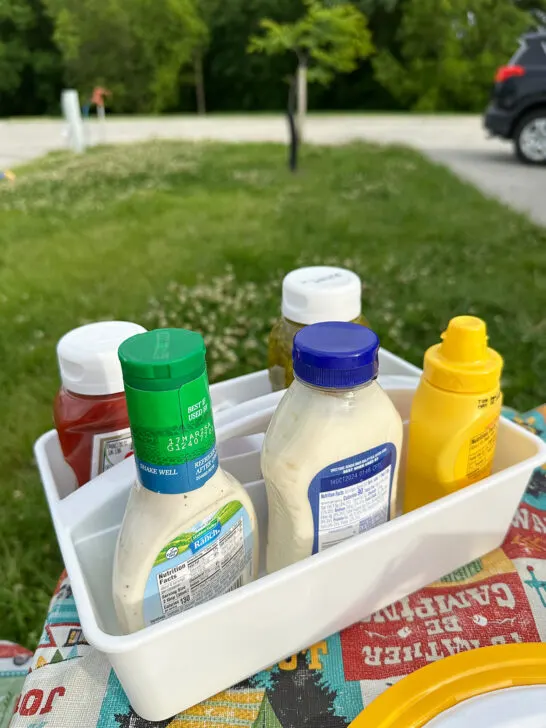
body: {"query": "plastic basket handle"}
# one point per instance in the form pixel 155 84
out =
pixel 248 418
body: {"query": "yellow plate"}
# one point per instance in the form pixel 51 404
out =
pixel 428 692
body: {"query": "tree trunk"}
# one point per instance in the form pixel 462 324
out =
pixel 290 111
pixel 199 83
pixel 302 97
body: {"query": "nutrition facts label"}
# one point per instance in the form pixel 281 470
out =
pixel 109 449
pixel 481 450
pixel 353 509
pixel 212 571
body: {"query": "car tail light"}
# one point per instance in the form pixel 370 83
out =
pixel 506 72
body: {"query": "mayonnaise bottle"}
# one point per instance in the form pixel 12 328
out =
pixel 189 532
pixel 454 415
pixel 331 454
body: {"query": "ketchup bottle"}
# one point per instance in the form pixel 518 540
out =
pixel 90 412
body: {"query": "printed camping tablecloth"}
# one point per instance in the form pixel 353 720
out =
pixel 500 598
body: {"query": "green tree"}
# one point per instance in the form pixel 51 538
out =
pixel 15 19
pixel 360 89
pixel 448 51
pixel 234 79
pixel 537 8
pixel 207 10
pixel 136 48
pixel 326 40
pixel 368 7
pixel 29 61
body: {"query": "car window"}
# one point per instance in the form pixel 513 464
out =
pixel 532 52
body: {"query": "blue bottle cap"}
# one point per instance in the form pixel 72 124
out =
pixel 335 354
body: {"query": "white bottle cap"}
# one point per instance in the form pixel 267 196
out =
pixel 88 357
pixel 321 293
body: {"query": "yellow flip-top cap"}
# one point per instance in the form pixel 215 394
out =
pixel 463 362
pixel 424 695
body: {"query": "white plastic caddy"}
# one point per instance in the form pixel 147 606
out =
pixel 179 662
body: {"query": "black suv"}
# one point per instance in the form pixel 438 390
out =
pixel 518 107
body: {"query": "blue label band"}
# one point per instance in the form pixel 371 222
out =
pixel 351 496
pixel 183 478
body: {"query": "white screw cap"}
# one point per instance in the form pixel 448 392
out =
pixel 321 293
pixel 88 357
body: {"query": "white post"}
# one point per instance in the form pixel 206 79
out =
pixel 70 104
pixel 301 98
pixel 101 116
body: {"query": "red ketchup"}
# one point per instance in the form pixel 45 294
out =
pixel 90 412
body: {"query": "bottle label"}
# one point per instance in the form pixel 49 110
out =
pixel 352 495
pixel 481 451
pixel 109 449
pixel 477 444
pixel 212 558
pixel 173 436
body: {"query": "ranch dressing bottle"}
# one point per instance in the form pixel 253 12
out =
pixel 189 533
pixel 331 453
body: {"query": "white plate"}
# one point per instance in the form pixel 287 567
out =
pixel 520 707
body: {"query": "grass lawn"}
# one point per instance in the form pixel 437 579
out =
pixel 200 235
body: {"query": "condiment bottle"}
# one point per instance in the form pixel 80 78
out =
pixel 189 532
pixel 89 411
pixel 454 415
pixel 309 296
pixel 331 453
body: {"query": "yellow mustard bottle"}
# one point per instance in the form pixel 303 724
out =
pixel 454 415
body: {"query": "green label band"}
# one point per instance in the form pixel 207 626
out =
pixel 171 429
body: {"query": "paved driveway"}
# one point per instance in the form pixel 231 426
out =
pixel 457 141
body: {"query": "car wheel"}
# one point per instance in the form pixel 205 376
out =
pixel 530 138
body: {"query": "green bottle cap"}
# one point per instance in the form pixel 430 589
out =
pixel 170 412
pixel 162 359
